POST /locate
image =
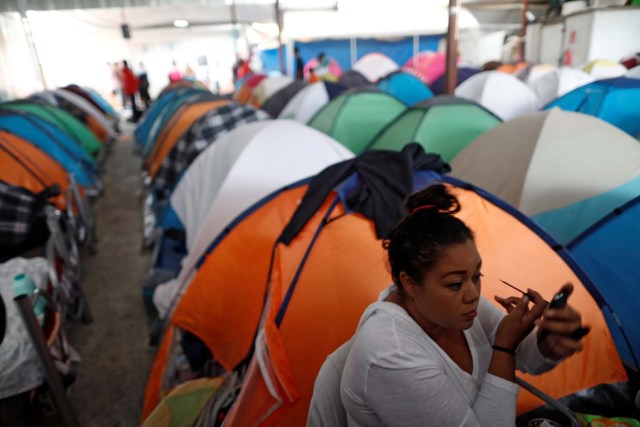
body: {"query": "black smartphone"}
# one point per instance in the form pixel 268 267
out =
pixel 560 301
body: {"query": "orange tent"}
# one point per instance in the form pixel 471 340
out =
pixel 227 289
pixel 25 165
pixel 321 283
pixel 175 127
pixel 243 94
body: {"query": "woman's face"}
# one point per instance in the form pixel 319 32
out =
pixel 449 294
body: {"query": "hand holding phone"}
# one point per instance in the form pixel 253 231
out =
pixel 559 301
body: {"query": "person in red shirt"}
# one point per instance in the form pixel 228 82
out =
pixel 130 85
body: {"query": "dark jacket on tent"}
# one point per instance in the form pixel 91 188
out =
pixel 385 178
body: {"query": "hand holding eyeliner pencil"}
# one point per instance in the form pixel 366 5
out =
pixel 522 292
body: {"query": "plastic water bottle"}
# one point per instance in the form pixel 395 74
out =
pixel 23 284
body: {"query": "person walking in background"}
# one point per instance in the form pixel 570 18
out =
pixel 299 65
pixel 143 86
pixel 174 74
pixel 117 83
pixel 245 68
pixel 130 85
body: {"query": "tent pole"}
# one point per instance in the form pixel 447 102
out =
pixel 452 47
pixel 234 28
pixel 523 32
pixel 280 47
pixel 353 49
pixel 35 57
pixel 416 48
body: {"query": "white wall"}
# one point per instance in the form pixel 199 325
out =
pixel 578 37
pixel 477 48
pixel 75 47
pixel 551 43
pixel 608 33
pixel 532 42
pixel 616 33
pixel 18 71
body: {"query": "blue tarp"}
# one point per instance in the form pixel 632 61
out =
pixel 406 87
pixel 608 253
pixel 340 50
pixel 57 144
pixel 613 100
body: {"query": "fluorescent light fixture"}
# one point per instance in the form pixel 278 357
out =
pixel 181 23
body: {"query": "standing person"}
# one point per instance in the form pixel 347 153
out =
pixel 322 68
pixel 130 85
pixel 299 65
pixel 116 74
pixel 236 68
pixel 174 74
pixel 432 350
pixel 143 87
pixel 245 68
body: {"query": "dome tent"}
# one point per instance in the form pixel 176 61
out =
pixel 306 103
pixel 267 88
pixel 558 82
pixel 62 120
pixel 195 194
pixel 501 93
pixel 276 103
pixel 374 66
pixel 324 277
pixel 203 132
pixel 613 100
pixel 230 216
pixel 565 170
pixel 607 252
pixel 442 125
pixel 355 117
pixel 406 87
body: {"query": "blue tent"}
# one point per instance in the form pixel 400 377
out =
pixel 438 87
pixel 612 100
pixel 143 130
pixel 608 253
pixel 59 145
pixel 406 87
pixel 98 99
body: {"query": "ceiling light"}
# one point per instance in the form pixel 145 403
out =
pixel 181 23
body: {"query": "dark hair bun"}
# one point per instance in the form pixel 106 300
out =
pixel 435 195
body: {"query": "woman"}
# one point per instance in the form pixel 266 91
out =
pixel 432 351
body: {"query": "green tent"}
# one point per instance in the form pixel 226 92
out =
pixel 355 117
pixel 442 125
pixel 63 121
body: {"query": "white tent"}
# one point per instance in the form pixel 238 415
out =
pixel 374 66
pixel 564 169
pixel 555 84
pixel 241 168
pixel 269 86
pixel 604 69
pixel 633 73
pixel 534 72
pixel 306 103
pixel 501 93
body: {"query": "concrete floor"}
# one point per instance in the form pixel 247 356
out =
pixel 115 355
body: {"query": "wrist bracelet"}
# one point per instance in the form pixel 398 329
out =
pixel 504 350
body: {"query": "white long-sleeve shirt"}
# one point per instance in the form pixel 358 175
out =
pixel 396 375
